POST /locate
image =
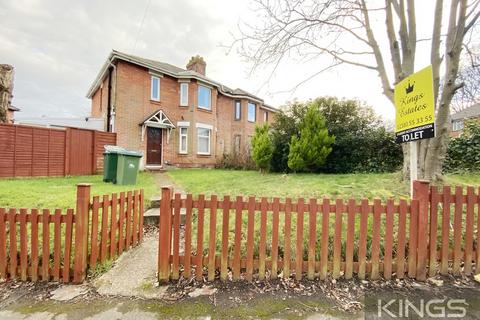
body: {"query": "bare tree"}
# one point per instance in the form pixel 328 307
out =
pixel 469 75
pixel 6 88
pixel 343 30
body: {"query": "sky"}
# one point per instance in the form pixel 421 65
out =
pixel 57 47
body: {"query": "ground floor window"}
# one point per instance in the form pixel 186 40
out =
pixel 458 125
pixel 236 143
pixel 204 136
pixel 183 143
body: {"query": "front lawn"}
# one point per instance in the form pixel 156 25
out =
pixel 60 192
pixel 231 182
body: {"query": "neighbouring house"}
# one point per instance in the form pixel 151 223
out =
pixel 72 122
pixel 458 119
pixel 10 114
pixel 174 116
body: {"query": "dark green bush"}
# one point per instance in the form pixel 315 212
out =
pixel 463 154
pixel 362 144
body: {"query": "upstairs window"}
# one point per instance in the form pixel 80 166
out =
pixel 238 110
pixel 155 88
pixel 252 110
pixel 184 94
pixel 204 97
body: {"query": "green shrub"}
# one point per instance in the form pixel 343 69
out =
pixel 311 147
pixel 262 147
pixel 463 153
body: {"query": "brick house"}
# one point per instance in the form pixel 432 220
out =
pixel 458 119
pixel 174 116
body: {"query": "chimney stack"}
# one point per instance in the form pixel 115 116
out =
pixel 197 64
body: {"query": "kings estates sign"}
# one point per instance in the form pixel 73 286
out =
pixel 415 111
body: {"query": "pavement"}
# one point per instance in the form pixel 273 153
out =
pixel 134 273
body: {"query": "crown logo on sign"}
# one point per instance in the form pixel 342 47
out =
pixel 409 88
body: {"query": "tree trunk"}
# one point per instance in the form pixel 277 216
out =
pixel 6 89
pixel 436 148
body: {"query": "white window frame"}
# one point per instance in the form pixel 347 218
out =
pixel 183 98
pixel 237 147
pixel 265 116
pixel 458 125
pixel 151 88
pixel 180 136
pixel 209 108
pixel 254 114
pixel 239 103
pixel 210 129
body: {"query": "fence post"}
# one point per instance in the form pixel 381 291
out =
pixel 421 192
pixel 165 229
pixel 81 232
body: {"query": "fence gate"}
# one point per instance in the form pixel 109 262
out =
pixel 81 151
pixel 264 237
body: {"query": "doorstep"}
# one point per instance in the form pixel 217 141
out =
pixel 154 168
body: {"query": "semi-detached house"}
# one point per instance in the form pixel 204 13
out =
pixel 174 116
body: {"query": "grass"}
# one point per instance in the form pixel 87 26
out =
pixel 357 186
pixel 220 182
pixel 60 192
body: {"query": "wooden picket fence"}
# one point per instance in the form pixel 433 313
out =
pixel 320 238
pixel 40 244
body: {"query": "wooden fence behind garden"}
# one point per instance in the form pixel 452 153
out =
pixel 28 151
pixel 61 245
pixel 437 231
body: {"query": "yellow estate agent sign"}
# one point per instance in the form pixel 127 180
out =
pixel 414 103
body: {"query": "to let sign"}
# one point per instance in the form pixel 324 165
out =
pixel 415 110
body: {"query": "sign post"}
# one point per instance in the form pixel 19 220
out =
pixel 415 114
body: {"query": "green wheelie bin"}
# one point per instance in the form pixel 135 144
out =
pixel 110 158
pixel 128 163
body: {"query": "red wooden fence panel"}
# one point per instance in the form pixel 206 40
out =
pixel 36 151
pixel 369 239
pixel 52 230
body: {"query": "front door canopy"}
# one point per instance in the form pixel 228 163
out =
pixel 158 119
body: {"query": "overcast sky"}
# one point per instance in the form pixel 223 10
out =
pixel 57 48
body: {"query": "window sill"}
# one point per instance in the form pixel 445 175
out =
pixel 204 154
pixel 156 101
pixel 251 121
pixel 204 110
pixel 182 154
